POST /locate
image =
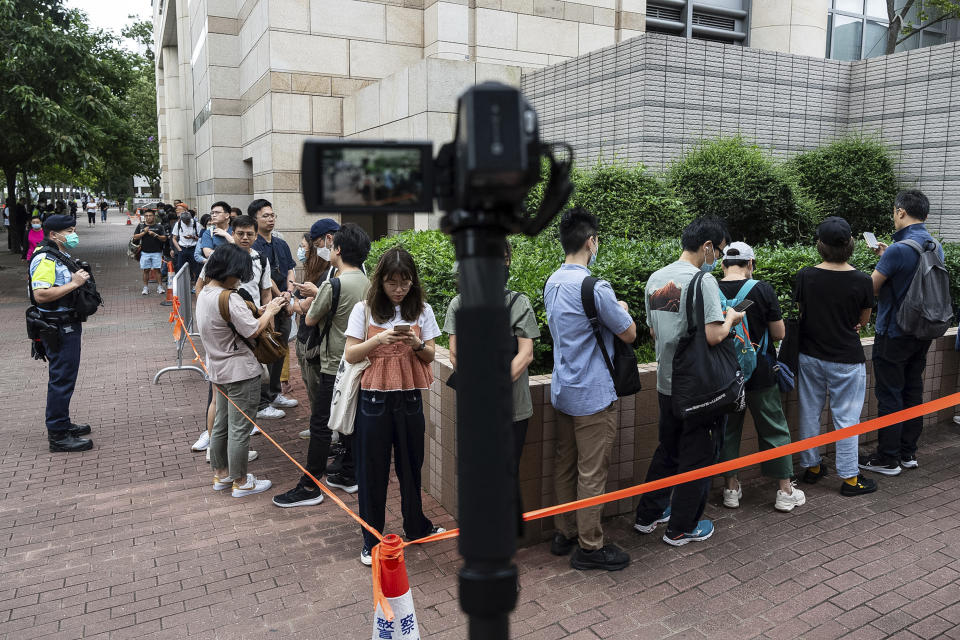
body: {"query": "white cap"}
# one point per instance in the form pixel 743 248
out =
pixel 742 251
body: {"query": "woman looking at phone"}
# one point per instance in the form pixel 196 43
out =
pixel 395 329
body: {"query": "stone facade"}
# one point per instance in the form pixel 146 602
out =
pixel 637 436
pixel 651 99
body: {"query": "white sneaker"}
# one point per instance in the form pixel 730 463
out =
pixel 161 290
pixel 219 484
pixel 255 431
pixel 270 413
pixel 252 455
pixel 202 443
pixel 731 498
pixel 145 291
pixel 787 501
pixel 250 486
pixel 305 434
pixel 283 402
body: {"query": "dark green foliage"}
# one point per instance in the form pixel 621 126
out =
pixel 738 182
pixel 852 178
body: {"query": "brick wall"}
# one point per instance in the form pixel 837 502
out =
pixel 652 98
pixel 636 439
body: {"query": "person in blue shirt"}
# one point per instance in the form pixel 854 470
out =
pixel 898 359
pixel 220 233
pixel 53 287
pixel 582 393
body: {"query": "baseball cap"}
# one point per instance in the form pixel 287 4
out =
pixel 834 231
pixel 742 250
pixel 322 227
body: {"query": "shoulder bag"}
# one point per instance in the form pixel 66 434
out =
pixel 623 368
pixel 267 347
pixel 346 389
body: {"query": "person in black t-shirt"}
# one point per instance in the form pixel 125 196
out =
pixel 763 395
pixel 835 302
pixel 152 237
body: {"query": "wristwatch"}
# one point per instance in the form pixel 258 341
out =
pixel 423 345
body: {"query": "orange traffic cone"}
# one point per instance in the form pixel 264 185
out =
pixel 128 219
pixel 400 621
pixel 169 301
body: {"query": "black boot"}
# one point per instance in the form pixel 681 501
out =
pixel 67 442
pixel 77 430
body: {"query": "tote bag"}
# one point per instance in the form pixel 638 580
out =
pixel 346 389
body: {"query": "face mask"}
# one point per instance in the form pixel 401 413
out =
pixel 708 267
pixel 71 240
pixel 324 253
pixel 301 254
pixel 36 226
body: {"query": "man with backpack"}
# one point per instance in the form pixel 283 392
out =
pixel 583 392
pixel 756 335
pixel 184 236
pixel 913 287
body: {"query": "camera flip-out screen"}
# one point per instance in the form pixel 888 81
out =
pixel 367 176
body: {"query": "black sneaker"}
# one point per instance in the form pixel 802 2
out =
pixel 909 462
pixel 863 486
pixel 878 465
pixel 433 531
pixel 610 557
pixel 341 481
pixel 809 477
pixel 299 496
pixel 562 545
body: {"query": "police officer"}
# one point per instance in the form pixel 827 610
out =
pixel 53 287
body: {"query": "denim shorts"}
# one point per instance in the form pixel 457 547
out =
pixel 150 260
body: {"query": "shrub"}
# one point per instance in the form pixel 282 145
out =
pixel 738 182
pixel 852 178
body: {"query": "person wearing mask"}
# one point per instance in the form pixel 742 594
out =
pixel 395 329
pixel 34 237
pixel 765 323
pixel 835 301
pixel 684 445
pixel 53 289
pixel 152 236
pixel 277 252
pixel 899 359
pixel 216 232
pixel 232 366
pixel 351 245
pixel 184 236
pixel 582 393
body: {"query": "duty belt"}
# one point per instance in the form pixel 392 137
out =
pixel 64 317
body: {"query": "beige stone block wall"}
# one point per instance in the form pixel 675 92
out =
pixel 790 26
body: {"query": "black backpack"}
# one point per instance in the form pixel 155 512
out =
pixel 315 335
pixel 926 310
pixel 86 300
pixel 623 368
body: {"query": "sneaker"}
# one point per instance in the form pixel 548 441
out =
pixel 809 477
pixel 731 497
pixel 252 455
pixel 863 486
pixel 909 462
pixel 875 464
pixel 649 527
pixel 787 501
pixel 562 545
pixel 145 291
pixel 366 557
pixel 703 531
pixel 270 413
pixel 299 496
pixel 341 481
pixel 283 402
pixel 202 443
pixel 432 531
pixel 161 290
pixel 610 557
pixel 255 430
pixel 305 434
pixel 250 486
pixel 219 484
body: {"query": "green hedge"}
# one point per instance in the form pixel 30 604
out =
pixel 624 262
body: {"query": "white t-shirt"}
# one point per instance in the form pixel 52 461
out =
pixel 91 207
pixel 186 235
pixel 229 359
pixel 260 280
pixel 427 322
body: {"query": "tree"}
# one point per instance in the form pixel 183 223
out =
pixel 928 13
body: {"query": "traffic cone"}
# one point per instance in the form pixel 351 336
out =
pixel 169 301
pixel 401 622
pixel 128 219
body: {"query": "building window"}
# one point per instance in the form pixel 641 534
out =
pixel 857 29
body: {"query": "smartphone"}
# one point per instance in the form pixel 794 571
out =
pixel 871 240
pixel 743 306
pixel 402 328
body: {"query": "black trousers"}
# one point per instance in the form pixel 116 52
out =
pixel 270 391
pixel 685 445
pixel 898 365
pixel 388 422
pixel 318 451
pixel 185 256
pixel 64 364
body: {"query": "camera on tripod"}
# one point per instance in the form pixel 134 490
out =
pixel 493 161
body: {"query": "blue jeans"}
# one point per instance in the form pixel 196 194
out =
pixel 847 386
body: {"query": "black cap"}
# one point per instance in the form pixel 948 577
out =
pixel 59 223
pixel 322 227
pixel 834 231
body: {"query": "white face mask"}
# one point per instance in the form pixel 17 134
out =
pixel 324 253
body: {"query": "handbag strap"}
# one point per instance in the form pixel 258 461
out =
pixel 223 303
pixel 693 289
pixel 590 308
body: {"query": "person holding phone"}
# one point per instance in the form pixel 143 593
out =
pixel 765 322
pixel 390 407
pixel 218 232
pixel 152 236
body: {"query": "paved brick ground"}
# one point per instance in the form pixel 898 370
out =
pixel 128 540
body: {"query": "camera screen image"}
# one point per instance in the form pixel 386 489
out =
pixel 372 177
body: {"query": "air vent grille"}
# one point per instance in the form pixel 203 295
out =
pixel 716 22
pixel 664 13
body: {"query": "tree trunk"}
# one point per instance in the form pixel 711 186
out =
pixel 11 176
pixel 893 32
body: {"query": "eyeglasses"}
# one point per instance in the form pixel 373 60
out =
pixel 398 286
pixel 268 216
pixel 245 234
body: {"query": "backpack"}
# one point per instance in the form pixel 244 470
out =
pixel 316 336
pixel 746 351
pixel 926 310
pixel 85 300
pixel 623 368
pixel 268 347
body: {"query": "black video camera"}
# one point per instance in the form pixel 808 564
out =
pixel 493 161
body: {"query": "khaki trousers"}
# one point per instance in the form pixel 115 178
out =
pixel 584 444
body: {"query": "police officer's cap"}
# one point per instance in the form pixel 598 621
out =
pixel 58 223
